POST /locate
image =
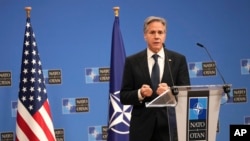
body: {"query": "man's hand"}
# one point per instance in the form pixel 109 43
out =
pixel 162 87
pixel 146 91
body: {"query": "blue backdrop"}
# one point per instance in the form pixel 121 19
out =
pixel 74 37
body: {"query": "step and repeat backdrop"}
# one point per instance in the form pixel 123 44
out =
pixel 74 42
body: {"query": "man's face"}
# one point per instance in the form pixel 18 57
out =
pixel 155 36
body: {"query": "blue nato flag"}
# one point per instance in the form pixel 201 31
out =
pixel 119 115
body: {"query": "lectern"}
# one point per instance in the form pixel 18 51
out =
pixel 197 110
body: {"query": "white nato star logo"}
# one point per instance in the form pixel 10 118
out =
pixel 247 66
pixel 95 133
pixel 121 114
pixel 92 75
pixel 69 106
pixel 195 69
pixel 198 108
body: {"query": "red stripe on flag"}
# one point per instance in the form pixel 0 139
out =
pixel 47 107
pixel 25 128
pixel 40 120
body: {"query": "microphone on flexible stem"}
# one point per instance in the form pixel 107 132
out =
pixel 226 87
pixel 174 90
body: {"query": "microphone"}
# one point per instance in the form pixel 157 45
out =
pixel 175 91
pixel 200 45
pixel 226 87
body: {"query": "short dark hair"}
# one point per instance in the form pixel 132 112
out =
pixel 150 19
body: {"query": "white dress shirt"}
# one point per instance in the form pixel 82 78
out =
pixel 161 62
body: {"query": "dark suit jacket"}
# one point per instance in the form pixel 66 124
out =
pixel 136 73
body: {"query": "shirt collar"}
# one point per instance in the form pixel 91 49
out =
pixel 160 53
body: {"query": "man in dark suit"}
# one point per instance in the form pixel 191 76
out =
pixel 151 124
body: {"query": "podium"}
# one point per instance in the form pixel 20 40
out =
pixel 197 110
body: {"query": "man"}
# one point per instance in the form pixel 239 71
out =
pixel 151 124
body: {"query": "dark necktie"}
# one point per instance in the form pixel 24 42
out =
pixel 155 75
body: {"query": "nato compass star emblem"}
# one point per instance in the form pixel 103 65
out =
pixel 198 108
pixel 120 118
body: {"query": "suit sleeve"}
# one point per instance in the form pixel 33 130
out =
pixel 129 90
pixel 183 74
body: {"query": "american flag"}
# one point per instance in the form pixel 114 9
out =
pixel 119 115
pixel 34 120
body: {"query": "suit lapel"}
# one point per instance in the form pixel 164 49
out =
pixel 166 78
pixel 144 66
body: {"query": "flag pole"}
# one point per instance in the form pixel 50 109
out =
pixel 116 11
pixel 28 9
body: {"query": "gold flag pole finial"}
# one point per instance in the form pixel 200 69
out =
pixel 28 9
pixel 116 11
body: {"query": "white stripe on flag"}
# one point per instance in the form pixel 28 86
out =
pixel 47 119
pixel 20 134
pixel 34 126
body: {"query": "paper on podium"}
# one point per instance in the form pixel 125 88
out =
pixel 166 99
